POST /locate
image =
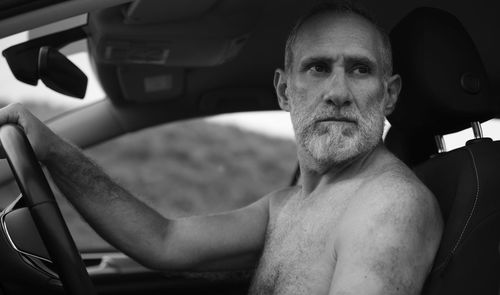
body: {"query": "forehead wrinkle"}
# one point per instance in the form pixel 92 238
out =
pixel 364 39
pixel 345 58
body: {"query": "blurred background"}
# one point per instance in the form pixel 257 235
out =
pixel 187 168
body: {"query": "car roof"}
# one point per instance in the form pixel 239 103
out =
pixel 212 75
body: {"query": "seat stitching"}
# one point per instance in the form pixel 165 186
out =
pixel 473 206
pixel 448 258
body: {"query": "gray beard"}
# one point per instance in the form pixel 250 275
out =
pixel 332 144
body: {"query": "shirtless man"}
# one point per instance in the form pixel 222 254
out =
pixel 360 222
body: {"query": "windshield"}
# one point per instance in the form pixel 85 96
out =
pixel 42 101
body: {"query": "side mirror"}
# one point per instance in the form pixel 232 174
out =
pixel 59 74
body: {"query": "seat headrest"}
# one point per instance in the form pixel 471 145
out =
pixel 445 86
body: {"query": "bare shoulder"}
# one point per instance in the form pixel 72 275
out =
pixel 396 191
pixel 390 232
pixel 395 196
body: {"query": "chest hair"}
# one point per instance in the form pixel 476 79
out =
pixel 299 257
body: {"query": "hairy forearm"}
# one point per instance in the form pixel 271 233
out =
pixel 112 211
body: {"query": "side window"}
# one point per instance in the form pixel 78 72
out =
pixel 193 167
pixel 455 140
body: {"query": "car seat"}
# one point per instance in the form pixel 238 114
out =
pixel 445 89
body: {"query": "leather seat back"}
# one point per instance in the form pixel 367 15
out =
pixel 445 88
pixel 466 182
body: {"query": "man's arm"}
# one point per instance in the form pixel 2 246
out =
pixel 387 245
pixel 228 240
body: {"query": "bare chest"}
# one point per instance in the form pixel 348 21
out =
pixel 299 257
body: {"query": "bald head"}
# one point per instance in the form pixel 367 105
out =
pixel 335 10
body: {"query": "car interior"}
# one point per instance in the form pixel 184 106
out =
pixel 454 95
pixel 160 62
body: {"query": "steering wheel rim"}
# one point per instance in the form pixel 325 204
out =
pixel 45 211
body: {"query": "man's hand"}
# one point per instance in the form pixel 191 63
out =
pixel 42 139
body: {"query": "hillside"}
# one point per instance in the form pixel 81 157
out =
pixel 189 168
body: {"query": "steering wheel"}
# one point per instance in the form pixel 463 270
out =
pixel 45 212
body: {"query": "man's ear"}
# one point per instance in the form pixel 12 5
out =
pixel 280 87
pixel 394 84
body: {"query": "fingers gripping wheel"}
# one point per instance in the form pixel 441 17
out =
pixel 44 210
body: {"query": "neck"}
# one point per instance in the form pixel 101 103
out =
pixel 313 176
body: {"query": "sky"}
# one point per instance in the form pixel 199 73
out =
pixel 269 123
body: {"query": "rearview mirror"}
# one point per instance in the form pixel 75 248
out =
pixel 58 73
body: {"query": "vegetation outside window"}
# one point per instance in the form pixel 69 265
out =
pixel 190 168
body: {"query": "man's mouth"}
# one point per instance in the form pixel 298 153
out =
pixel 337 119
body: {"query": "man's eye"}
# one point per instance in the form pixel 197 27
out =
pixel 319 68
pixel 361 69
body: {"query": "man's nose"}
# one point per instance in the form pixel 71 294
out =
pixel 337 92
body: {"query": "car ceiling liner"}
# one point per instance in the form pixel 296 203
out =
pixel 143 51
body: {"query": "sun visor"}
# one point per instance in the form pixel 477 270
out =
pixel 445 86
pixel 200 38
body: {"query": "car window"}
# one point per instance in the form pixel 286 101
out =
pixel 490 128
pixel 194 167
pixel 42 101
pixel 455 140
